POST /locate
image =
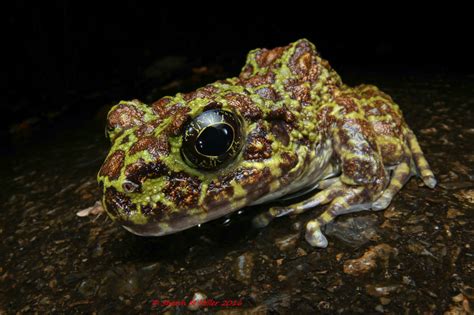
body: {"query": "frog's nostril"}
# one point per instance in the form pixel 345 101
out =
pixel 129 186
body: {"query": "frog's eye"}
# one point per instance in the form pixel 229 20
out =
pixel 212 139
pixel 129 186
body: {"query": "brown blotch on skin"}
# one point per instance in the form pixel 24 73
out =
pixel 177 111
pixel 348 104
pixel 386 128
pixel 219 192
pixel 204 92
pixel 117 203
pixel 265 57
pixel 156 213
pixel 392 154
pixel 139 171
pixel 143 130
pixel 303 62
pixel 160 107
pixel 180 118
pixel 156 146
pixel 258 145
pixel 345 130
pixel 361 171
pixel 258 79
pixel 255 182
pixel 280 130
pixel 183 190
pixel 325 119
pixel 112 165
pixel 369 135
pixel 388 110
pixel 288 161
pixel 179 114
pixel 244 105
pixel 299 91
pixel 388 149
pixel 147 129
pixel 281 113
pixel 268 93
pixel 247 72
pixel 125 116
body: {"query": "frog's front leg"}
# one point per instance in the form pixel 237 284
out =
pixel 362 180
pixel 363 177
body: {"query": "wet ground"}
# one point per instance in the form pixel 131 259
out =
pixel 415 257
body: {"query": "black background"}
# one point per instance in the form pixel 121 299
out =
pixel 57 54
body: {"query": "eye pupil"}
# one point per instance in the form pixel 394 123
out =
pixel 215 140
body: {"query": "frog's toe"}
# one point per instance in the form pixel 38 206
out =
pixel 422 165
pixel 430 181
pixel 381 203
pixel 262 220
pixel 314 236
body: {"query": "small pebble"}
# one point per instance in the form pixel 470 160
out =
pixel 286 242
pixel 368 261
pixel 243 267
pixel 385 301
pixel 196 301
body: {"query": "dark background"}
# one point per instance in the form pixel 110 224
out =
pixel 67 60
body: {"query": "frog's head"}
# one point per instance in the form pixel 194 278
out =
pixel 194 157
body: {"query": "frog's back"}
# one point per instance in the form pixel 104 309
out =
pixel 294 75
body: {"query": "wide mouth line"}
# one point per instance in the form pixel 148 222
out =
pixel 189 221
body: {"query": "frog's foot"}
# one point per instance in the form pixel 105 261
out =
pixel 263 219
pixel 403 171
pixel 332 188
pixel 342 199
pixel 421 164
pixel 352 199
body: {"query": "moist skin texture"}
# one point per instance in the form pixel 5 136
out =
pixel 301 128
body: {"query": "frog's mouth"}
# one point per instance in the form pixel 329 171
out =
pixel 186 219
pixel 174 225
pixel 217 203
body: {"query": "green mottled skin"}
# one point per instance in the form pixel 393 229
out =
pixel 302 128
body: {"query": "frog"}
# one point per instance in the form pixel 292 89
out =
pixel 286 125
